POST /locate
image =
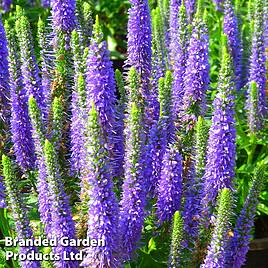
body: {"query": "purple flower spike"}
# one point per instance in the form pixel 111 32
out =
pixel 63 14
pixel 173 27
pixel 258 61
pixel 4 75
pixel 170 186
pixel 103 207
pixel 29 67
pixel 191 208
pixel 20 120
pixel 62 224
pixel 42 186
pixel 266 24
pixel 221 154
pixel 231 29
pixel 100 86
pixel 181 54
pixel 139 42
pixel 134 187
pixel 196 77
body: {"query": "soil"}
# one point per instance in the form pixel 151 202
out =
pixel 258 254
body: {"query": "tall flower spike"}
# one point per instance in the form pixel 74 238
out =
pixel 121 107
pixel 78 127
pixel 258 61
pixel 19 213
pixel 181 45
pixel 176 241
pixel 46 63
pixel 159 138
pixel 231 29
pixel 4 76
pixel 20 120
pixel 78 105
pixel 196 78
pixel 42 186
pixel 63 15
pixel 30 70
pixel 101 87
pixel 193 186
pixel 140 42
pixel 216 251
pixel 221 154
pixel 173 28
pixel 103 207
pixel 134 187
pixel 62 224
pixel 239 244
pixel 169 188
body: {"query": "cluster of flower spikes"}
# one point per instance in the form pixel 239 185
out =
pixel 20 216
pixel 52 199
